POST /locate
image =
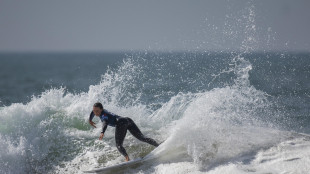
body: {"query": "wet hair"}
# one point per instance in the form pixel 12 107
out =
pixel 98 105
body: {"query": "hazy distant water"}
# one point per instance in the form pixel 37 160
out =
pixel 24 75
pixel 237 104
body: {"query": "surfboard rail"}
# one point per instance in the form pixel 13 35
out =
pixel 117 166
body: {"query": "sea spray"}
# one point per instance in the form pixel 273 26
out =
pixel 224 123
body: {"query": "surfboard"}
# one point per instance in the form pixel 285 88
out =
pixel 122 166
pixel 117 166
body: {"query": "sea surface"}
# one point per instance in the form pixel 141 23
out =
pixel 215 112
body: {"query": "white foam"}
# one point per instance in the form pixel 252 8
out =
pixel 292 156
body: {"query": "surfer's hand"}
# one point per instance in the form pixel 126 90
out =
pixel 93 124
pixel 101 136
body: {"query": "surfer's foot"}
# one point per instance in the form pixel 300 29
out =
pixel 127 158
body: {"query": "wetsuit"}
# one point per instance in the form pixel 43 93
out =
pixel 121 125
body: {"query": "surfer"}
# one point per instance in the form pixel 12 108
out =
pixel 121 124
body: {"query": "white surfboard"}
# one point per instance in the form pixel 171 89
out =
pixel 125 165
pixel 117 166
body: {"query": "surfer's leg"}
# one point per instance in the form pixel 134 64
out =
pixel 135 131
pixel 120 133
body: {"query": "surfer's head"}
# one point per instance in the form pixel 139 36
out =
pixel 97 108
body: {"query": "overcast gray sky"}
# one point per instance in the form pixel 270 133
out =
pixel 81 25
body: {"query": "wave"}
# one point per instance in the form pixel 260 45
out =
pixel 202 129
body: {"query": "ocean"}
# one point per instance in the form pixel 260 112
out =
pixel 215 112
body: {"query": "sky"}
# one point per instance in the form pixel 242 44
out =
pixel 164 25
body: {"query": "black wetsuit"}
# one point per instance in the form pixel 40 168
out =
pixel 121 125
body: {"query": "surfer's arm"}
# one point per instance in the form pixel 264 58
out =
pixel 91 116
pixel 104 126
